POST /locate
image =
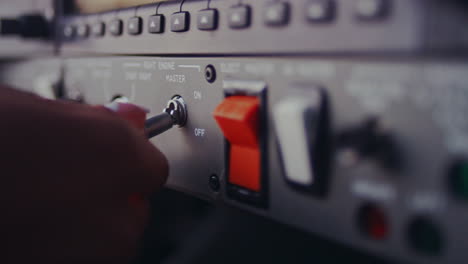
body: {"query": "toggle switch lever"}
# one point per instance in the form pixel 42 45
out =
pixel 174 114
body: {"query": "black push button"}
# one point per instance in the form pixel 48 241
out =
pixel 98 29
pixel 372 9
pixel 425 237
pixel 239 17
pixel 115 27
pixel 180 21
pixel 207 19
pixel 156 24
pixel 320 10
pixel 276 14
pixel 134 25
pixel 82 31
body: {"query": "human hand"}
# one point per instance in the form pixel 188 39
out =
pixel 67 172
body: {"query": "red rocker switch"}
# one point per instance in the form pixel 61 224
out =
pixel 238 118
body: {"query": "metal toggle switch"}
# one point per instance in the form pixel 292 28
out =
pixel 175 113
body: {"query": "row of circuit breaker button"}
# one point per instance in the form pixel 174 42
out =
pixel 239 17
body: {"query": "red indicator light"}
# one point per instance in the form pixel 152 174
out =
pixel 373 222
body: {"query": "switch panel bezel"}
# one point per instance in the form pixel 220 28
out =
pixel 255 89
pixel 320 144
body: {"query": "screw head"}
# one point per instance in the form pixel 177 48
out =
pixel 214 182
pixel 210 73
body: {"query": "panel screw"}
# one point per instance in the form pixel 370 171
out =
pixel 214 182
pixel 210 73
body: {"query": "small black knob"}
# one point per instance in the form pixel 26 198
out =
pixel 26 26
pixel 368 140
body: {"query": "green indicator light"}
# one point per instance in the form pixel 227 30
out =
pixel 425 237
pixel 459 175
pixel 464 177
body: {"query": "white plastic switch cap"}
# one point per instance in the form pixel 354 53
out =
pixel 294 118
